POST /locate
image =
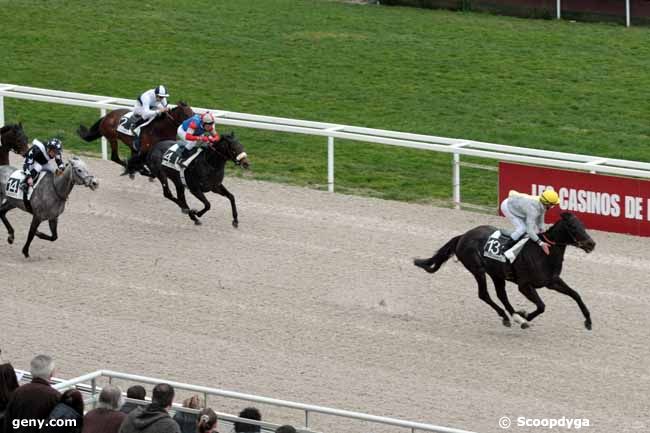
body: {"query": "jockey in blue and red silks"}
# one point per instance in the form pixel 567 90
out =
pixel 199 127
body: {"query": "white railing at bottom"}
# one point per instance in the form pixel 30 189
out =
pixel 92 388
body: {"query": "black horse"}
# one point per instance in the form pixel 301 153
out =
pixel 12 137
pixel 531 270
pixel 204 174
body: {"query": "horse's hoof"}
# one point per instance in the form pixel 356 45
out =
pixel 525 325
pixel 151 179
pixel 185 211
pixel 588 324
pixel 10 239
pixel 235 223
pixel 522 313
pixel 26 254
pixel 518 319
pixel 197 222
pixel 506 323
pixel 131 176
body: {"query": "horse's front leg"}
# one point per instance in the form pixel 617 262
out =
pixel 30 237
pixel 6 207
pixel 560 286
pixel 484 296
pixel 206 206
pixel 180 196
pixel 221 190
pixel 53 229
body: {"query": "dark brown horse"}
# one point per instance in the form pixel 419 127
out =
pixel 161 128
pixel 12 137
pixel 531 270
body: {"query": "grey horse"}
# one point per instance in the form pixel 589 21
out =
pixel 48 199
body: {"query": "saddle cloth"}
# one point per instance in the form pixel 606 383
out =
pixel 494 247
pixel 13 188
pixel 172 159
pixel 125 123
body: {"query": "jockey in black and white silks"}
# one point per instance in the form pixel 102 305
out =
pixel 38 159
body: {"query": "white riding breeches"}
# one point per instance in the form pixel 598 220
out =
pixel 519 223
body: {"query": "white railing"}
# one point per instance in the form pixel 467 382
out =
pixel 307 409
pixel 457 147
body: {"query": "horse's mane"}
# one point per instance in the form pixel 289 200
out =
pixel 6 128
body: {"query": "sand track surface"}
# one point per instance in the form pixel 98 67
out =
pixel 314 299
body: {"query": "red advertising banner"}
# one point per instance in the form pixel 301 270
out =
pixel 609 203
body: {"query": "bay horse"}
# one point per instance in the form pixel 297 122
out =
pixel 204 174
pixel 163 127
pixel 531 270
pixel 47 201
pixel 12 137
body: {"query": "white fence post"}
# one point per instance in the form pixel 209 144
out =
pixel 456 180
pixel 330 164
pixel 2 111
pixel 558 8
pixel 102 113
pixel 627 13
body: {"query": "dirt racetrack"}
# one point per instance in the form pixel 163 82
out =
pixel 315 299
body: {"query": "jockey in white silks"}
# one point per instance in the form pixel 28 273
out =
pixel 148 105
pixel 527 213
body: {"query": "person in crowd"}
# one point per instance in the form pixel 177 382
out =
pixel 35 400
pixel 207 421
pixel 106 417
pixel 187 421
pixel 248 413
pixel 153 418
pixel 8 384
pixel 67 415
pixel 286 429
pixel 136 392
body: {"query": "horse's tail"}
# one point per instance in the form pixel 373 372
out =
pixel 432 264
pixel 92 133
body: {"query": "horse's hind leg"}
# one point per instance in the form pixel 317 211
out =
pixel 485 296
pixel 166 191
pixel 30 237
pixel 221 190
pixel 53 228
pixel 6 207
pixel 560 286
pixel 206 207
pixel 115 156
pixel 531 294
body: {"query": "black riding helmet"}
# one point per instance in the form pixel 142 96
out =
pixel 54 143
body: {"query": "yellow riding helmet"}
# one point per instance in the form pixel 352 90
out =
pixel 549 197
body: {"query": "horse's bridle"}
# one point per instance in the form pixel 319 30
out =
pixel 229 155
pixel 575 241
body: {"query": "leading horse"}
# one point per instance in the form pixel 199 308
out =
pixel 531 270
pixel 161 128
pixel 12 137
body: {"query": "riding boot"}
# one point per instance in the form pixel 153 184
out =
pixel 136 143
pixel 185 154
pixel 509 243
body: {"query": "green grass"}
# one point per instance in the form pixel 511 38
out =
pixel 572 87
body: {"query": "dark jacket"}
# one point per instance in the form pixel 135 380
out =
pixel 64 412
pixel 150 419
pixel 127 407
pixel 36 400
pixel 186 421
pixel 103 420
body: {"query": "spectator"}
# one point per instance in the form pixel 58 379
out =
pixel 136 392
pixel 69 412
pixel 187 421
pixel 153 418
pixel 106 418
pixel 8 384
pixel 248 413
pixel 286 429
pixel 207 421
pixel 34 400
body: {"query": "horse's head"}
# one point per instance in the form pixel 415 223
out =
pixel 231 149
pixel 573 232
pixel 81 175
pixel 14 137
pixel 181 112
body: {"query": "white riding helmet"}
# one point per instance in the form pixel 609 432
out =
pixel 207 118
pixel 161 92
